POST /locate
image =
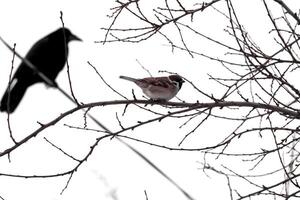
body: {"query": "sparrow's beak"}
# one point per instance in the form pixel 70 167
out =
pixel 74 37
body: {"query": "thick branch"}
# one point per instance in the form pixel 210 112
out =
pixel 289 11
pixel 192 106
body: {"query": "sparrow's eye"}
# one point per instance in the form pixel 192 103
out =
pixel 176 83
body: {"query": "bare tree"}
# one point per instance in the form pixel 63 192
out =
pixel 257 96
pixel 260 85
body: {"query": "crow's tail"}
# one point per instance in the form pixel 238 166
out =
pixel 12 98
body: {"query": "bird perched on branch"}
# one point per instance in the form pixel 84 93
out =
pixel 48 56
pixel 158 88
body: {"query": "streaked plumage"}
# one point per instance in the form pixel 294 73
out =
pixel 158 88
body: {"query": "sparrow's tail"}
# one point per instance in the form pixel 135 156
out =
pixel 128 78
pixel 15 95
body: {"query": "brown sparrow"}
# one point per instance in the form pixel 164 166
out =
pixel 158 88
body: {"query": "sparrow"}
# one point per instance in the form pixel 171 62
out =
pixel 49 56
pixel 158 88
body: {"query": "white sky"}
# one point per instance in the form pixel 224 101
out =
pixel 112 167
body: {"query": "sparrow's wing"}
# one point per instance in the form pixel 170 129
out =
pixel 163 82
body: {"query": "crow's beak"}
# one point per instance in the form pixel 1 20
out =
pixel 74 37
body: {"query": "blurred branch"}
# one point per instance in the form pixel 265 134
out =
pixel 257 93
pixel 73 99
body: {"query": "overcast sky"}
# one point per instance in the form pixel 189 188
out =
pixel 113 169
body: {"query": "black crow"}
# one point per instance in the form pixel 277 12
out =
pixel 49 56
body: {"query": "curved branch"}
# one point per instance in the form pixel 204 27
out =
pixel 188 107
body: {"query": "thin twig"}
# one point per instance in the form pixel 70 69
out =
pixel 66 57
pixel 8 98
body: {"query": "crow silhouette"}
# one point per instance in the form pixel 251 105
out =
pixel 49 56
